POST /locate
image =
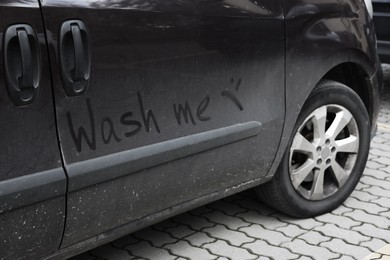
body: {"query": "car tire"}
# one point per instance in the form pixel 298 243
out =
pixel 326 155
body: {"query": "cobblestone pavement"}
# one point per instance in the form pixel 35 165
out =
pixel 240 227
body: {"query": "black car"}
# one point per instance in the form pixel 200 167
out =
pixel 116 114
pixel 382 26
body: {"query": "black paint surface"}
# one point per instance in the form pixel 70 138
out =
pixel 163 70
pixel 168 81
pixel 29 156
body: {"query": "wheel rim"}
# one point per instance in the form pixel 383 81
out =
pixel 323 152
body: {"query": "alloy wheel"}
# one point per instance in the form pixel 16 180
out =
pixel 323 152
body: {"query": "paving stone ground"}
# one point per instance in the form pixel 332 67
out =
pixel 241 227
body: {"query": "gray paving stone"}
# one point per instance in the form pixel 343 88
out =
pixel 299 246
pixel 386 136
pixel 363 196
pixel 374 165
pixel 379 174
pixel 385 214
pixel 341 210
pixel 339 246
pixel 349 236
pixel 255 205
pixel 377 191
pixel 340 221
pixel 371 156
pixel 379 140
pixel 263 249
pixel 314 238
pixel 291 231
pixel 157 238
pixel 384 110
pixel 145 250
pixel 385 250
pixel 361 186
pixel 263 258
pixel 374 244
pixel 346 257
pixel 386 169
pixel 235 238
pixel 220 247
pixel 180 231
pixel 307 224
pixel 107 251
pixel 272 237
pixel 229 208
pixel 382 160
pixel 383 117
pixel 199 238
pixel 365 206
pixel 380 153
pixel 376 256
pixel 376 220
pixel 194 221
pixel 372 231
pixel 384 202
pixel 380 145
pixel 166 224
pixel 371 181
pixel 268 222
pixel 304 258
pixel 229 221
pixel 184 249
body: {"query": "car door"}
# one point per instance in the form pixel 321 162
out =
pixel 32 180
pixel 160 102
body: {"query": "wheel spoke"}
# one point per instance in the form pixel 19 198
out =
pixel 319 122
pixel 348 145
pixel 317 190
pixel 301 144
pixel 299 175
pixel 339 173
pixel 340 121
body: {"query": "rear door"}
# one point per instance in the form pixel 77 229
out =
pixel 32 181
pixel 162 101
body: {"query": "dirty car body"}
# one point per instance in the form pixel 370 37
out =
pixel 119 114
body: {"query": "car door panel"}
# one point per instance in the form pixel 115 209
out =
pixel 183 101
pixel 32 180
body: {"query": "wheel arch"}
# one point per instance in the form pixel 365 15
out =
pixel 354 69
pixel 356 78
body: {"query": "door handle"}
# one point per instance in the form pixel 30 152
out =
pixel 74 57
pixel 22 63
pixel 77 72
